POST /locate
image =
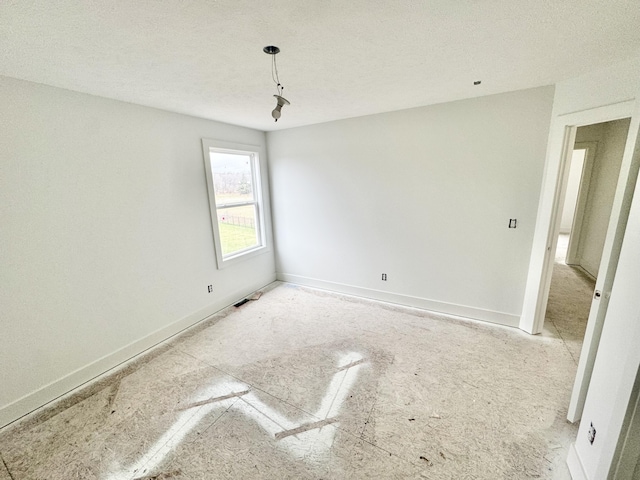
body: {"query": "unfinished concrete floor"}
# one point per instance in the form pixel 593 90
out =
pixel 304 384
pixel 569 300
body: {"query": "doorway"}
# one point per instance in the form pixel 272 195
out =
pixel 571 286
pixel 597 249
pixel 594 169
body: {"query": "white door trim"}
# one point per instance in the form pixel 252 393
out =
pixel 576 469
pixel 561 140
pixel 581 202
pixel 626 185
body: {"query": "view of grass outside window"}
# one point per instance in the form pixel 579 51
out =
pixel 236 201
pixel 236 206
pixel 237 229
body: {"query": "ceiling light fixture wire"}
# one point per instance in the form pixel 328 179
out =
pixel 281 101
pixel 274 75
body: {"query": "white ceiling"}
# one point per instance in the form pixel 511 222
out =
pixel 339 58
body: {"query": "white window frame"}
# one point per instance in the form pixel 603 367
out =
pixel 253 151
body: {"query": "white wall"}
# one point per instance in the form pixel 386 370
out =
pixel 592 133
pixel 605 86
pixel 106 245
pixel 424 195
pixel 573 187
pixel 611 138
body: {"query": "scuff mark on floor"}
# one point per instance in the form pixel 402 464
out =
pixel 352 364
pixel 305 428
pixel 6 468
pixel 161 476
pixel 114 390
pixel 215 399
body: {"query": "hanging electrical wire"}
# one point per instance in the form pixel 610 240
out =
pixel 274 75
pixel 281 101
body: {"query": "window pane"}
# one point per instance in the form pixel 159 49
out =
pixel 233 185
pixel 238 229
pixel 232 177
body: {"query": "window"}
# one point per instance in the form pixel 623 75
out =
pixel 235 200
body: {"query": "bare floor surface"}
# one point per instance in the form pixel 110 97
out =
pixel 569 300
pixel 304 384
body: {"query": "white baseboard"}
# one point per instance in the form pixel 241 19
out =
pixel 474 313
pixel 94 371
pixel 575 465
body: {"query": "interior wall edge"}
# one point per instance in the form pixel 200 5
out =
pixel 473 313
pixel 73 381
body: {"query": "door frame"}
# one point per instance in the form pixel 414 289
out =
pixel 591 149
pixel 561 140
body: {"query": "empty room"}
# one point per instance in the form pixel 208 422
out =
pixel 319 240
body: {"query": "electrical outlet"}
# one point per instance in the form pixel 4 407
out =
pixel 210 288
pixel 384 277
pixel 592 434
pixel 513 223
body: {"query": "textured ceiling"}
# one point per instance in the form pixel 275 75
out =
pixel 338 58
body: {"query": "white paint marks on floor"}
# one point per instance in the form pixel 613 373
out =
pixel 304 439
pixel 186 421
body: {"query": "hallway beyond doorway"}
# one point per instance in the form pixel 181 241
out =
pixel 569 300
